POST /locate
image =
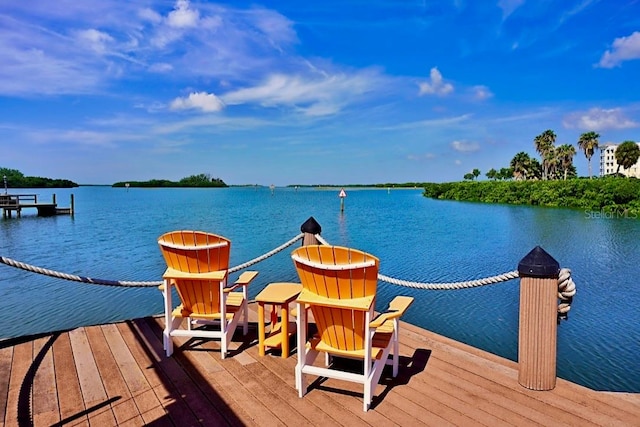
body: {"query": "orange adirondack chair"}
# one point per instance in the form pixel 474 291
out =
pixel 339 286
pixel 197 265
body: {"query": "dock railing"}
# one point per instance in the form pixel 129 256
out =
pixel 546 293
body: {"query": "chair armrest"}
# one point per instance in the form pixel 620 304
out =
pixel 397 307
pixel 172 273
pixel 246 277
pixel 244 280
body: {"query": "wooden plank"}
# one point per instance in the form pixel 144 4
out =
pixel 186 387
pixel 166 392
pixel 45 409
pixel 321 400
pixel 88 375
pixel 6 356
pixel 133 376
pixel 537 402
pixel 70 398
pixel 269 405
pixel 121 402
pixel 226 412
pixel 441 383
pixel 149 403
pixel 19 396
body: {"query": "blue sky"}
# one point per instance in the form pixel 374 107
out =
pixel 308 92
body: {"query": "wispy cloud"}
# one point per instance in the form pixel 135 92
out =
pixel 623 49
pixel 509 6
pixel 319 94
pixel 430 123
pixel 436 84
pixel 599 119
pixel 421 157
pixel 465 146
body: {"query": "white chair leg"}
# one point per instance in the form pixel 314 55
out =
pixel 368 389
pixel 168 343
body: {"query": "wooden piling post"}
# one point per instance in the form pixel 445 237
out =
pixel 72 205
pixel 310 228
pixel 54 198
pixel 537 338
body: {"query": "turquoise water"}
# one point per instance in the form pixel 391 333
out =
pixel 113 236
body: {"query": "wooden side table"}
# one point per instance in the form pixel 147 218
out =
pixel 276 294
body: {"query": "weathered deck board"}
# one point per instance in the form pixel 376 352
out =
pixel 117 374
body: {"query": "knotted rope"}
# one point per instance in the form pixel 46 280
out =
pixel 124 283
pixel 566 286
pixel 566 291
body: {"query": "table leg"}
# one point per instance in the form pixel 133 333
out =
pixel 261 328
pixel 285 330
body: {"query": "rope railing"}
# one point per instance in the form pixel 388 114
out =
pixel 130 284
pixel 566 286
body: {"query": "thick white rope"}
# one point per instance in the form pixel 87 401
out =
pixel 566 286
pixel 129 284
pixel 441 286
pixel 266 255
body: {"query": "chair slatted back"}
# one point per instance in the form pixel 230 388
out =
pixel 339 273
pixel 196 252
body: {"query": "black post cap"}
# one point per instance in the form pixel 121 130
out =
pixel 538 263
pixel 311 226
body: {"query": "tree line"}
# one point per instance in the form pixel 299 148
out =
pixel 557 162
pixel 200 180
pixel 13 178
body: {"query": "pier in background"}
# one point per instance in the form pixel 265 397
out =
pixel 17 202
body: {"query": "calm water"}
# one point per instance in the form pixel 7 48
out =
pixel 113 236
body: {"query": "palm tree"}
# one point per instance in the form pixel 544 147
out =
pixel 521 165
pixel 544 144
pixel 565 154
pixel 627 154
pixel 588 143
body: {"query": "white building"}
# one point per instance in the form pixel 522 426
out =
pixel 609 165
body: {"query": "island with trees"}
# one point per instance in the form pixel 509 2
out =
pixel 201 180
pixel 13 178
pixel 552 180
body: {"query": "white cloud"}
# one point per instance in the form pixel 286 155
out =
pixel 183 16
pixel 481 92
pixel 465 147
pixel 206 102
pixel 314 95
pixel 509 6
pixel 457 162
pixel 436 85
pixel 624 49
pixel 94 40
pixel 598 119
pixel 150 15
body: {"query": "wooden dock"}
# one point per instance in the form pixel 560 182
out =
pixel 117 374
pixel 16 202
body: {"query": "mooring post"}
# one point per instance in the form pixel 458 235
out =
pixel 72 205
pixel 310 228
pixel 54 199
pixel 537 338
